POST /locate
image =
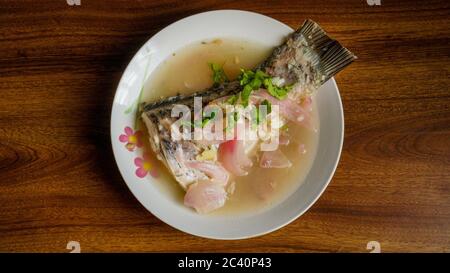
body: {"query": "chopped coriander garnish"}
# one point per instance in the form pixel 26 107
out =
pixel 208 119
pixel 231 121
pixel 245 94
pixel 254 80
pixel 250 81
pixel 260 115
pixel 246 76
pixel 219 75
pixel 233 99
pixel 236 116
pixel 261 74
pixel 268 105
pixel 277 92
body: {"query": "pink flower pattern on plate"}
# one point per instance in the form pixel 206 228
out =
pixel 145 166
pixel 131 138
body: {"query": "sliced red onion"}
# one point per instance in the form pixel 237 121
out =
pixel 217 173
pixel 232 156
pixel 274 159
pixel 289 109
pixel 205 196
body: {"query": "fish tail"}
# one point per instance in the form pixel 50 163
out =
pixel 330 56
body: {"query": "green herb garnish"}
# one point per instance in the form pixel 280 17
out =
pixel 246 76
pixel 260 115
pixel 277 92
pixel 250 81
pixel 233 117
pixel 268 106
pixel 233 99
pixel 254 80
pixel 245 94
pixel 206 120
pixel 219 75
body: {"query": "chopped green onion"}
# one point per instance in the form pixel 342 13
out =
pixel 259 114
pixel 232 121
pixel 233 99
pixel 245 94
pixel 206 120
pixel 255 80
pixel 219 75
pixel 277 92
pixel 268 105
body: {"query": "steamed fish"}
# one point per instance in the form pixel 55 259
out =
pixel 287 79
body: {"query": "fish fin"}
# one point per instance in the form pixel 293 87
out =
pixel 331 57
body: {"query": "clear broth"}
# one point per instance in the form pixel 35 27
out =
pixel 187 71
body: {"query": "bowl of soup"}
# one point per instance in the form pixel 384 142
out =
pixel 177 61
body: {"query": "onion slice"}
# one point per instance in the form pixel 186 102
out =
pixel 232 156
pixel 213 170
pixel 274 159
pixel 290 109
pixel 205 196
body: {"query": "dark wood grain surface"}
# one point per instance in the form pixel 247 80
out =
pixel 60 66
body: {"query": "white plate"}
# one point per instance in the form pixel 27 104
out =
pixel 221 23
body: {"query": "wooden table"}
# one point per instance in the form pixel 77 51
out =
pixel 60 66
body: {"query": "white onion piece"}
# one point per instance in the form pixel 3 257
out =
pixel 290 109
pixel 233 157
pixel 214 171
pixel 274 159
pixel 205 196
